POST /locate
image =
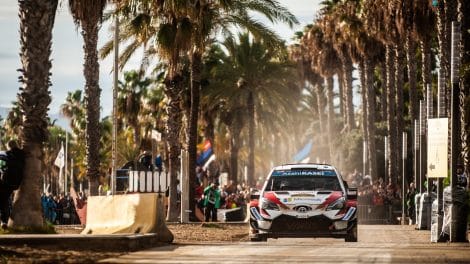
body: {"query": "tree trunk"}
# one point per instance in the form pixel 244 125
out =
pixel 36 23
pixel 209 126
pixel 330 115
pixel 464 19
pixel 365 116
pixel 444 59
pixel 383 97
pixel 399 78
pixel 348 93
pixel 235 131
pixel 196 64
pixel 91 70
pixel 391 115
pixel 342 111
pixel 251 138
pixel 412 73
pixel 371 106
pixel 318 88
pixel 173 91
pixel 426 62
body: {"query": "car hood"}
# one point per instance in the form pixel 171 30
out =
pixel 290 199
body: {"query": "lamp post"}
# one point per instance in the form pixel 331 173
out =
pixel 455 120
pixel 115 88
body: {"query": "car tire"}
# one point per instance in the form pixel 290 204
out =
pixel 352 235
pixel 258 238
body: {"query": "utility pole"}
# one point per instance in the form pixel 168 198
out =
pixel 115 88
pixel 455 121
pixel 403 180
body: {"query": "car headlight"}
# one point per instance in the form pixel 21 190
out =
pixel 336 205
pixel 267 204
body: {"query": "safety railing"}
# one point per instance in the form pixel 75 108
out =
pixel 141 181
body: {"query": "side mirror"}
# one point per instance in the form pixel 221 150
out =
pixel 254 194
pixel 352 193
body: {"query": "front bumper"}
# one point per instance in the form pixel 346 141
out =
pixel 315 226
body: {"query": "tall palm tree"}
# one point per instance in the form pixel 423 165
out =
pixel 88 15
pixel 36 23
pixel 74 110
pixel 325 61
pixel 254 60
pixel 380 22
pixel 130 97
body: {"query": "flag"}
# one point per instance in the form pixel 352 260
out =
pixel 206 164
pixel 206 153
pixel 60 160
pixel 304 153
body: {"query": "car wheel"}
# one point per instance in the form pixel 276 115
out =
pixel 258 238
pixel 352 235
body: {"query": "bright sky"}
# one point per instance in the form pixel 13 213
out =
pixel 67 52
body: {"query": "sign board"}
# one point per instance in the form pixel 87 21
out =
pixel 438 133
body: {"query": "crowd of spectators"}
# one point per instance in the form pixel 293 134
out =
pixel 232 195
pixel 60 210
pixel 382 199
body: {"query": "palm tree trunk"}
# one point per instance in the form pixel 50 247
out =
pixel 365 116
pixel 36 23
pixel 91 71
pixel 348 93
pixel 412 73
pixel 370 99
pixel 234 148
pixel 330 114
pixel 391 114
pixel 209 126
pixel 426 62
pixel 320 106
pixel 399 78
pixel 444 57
pixel 464 18
pixel 383 97
pixel 196 64
pixel 251 138
pixel 451 14
pixel 342 110
pixel 173 92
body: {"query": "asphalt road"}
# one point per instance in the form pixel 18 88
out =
pixel 377 244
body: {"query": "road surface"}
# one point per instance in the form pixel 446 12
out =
pixel 377 244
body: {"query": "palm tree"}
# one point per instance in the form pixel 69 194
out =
pixel 14 120
pixel 36 23
pixel 324 61
pixel 88 15
pixel 74 110
pixel 255 62
pixel 130 96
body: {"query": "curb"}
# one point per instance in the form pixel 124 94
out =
pixel 112 243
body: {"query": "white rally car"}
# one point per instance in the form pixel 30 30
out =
pixel 304 200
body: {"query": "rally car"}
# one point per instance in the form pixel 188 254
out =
pixel 304 200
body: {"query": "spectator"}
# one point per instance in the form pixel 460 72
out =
pixel 410 202
pixel 12 175
pixel 211 202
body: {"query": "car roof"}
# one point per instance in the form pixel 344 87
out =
pixel 305 166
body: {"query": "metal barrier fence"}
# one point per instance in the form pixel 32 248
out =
pixel 141 181
pixel 377 215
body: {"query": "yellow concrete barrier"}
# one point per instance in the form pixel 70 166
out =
pixel 121 214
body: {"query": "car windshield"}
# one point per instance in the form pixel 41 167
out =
pixel 299 181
